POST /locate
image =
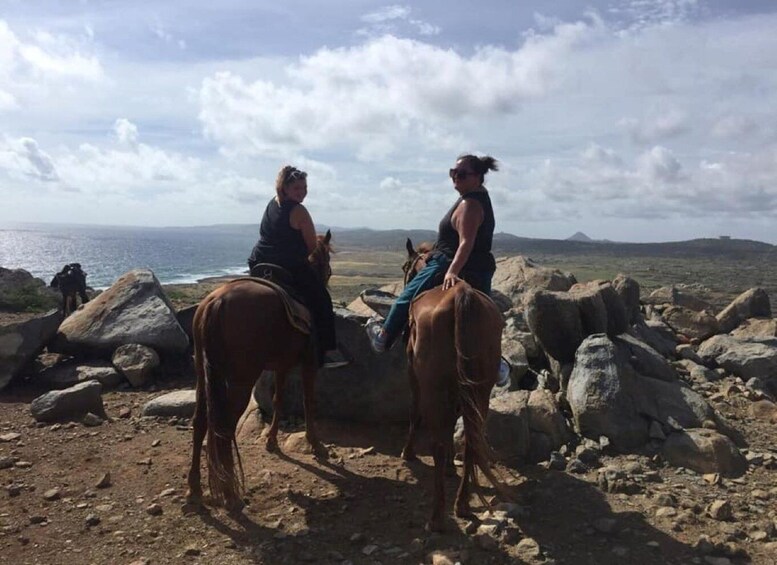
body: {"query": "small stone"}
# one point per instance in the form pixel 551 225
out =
pixel 369 549
pixel 759 535
pixel 14 490
pixel 154 509
pixel 10 436
pixel 712 478
pixel 720 510
pixel 357 537
pixel 192 551
pixel 167 492
pixel 447 557
pixel 620 551
pixel 92 520
pixel 576 466
pixel 104 482
pixel 712 560
pixel 125 413
pixel 156 443
pixel 23 464
pixel 528 547
pixel 6 462
pixel 52 495
pixel 666 512
pixel 37 519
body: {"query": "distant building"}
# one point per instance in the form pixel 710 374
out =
pixel 724 237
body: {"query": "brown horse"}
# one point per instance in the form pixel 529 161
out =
pixel 241 329
pixel 453 360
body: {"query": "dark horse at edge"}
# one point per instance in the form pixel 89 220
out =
pixel 453 353
pixel 241 329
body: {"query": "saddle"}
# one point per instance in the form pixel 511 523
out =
pixel 280 280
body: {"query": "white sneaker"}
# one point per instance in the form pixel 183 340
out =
pixel 504 373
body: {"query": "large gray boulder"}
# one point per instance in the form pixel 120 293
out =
pixel 547 422
pixel 618 388
pixel 746 358
pixel 555 322
pixel 657 335
pixel 136 362
pixel 20 343
pixel 757 328
pixel 507 426
pixel 71 403
pixel 704 451
pixel 180 403
pixel 677 297
pixel 373 388
pixel 690 323
pixel 70 373
pixel 134 309
pixel 628 290
pixel 516 275
pixel 753 303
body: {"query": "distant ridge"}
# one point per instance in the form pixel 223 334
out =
pixel 579 236
pixel 509 244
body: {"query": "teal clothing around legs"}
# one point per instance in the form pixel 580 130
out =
pixel 427 278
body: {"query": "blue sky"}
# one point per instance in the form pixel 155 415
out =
pixel 633 121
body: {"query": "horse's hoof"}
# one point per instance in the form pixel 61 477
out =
pixel 272 446
pixel 194 498
pixel 450 471
pixel 464 512
pixel 409 455
pixel 319 451
pixel 234 507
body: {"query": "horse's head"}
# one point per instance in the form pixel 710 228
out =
pixel 319 259
pixel 416 259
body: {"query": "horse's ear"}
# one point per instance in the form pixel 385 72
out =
pixel 409 247
pixel 327 237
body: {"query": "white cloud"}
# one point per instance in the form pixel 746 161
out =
pixel 656 127
pixel 22 159
pixel 126 133
pixel 390 183
pixel 371 97
pixel 733 127
pixel 387 20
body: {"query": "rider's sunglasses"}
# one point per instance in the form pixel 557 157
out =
pixel 456 173
pixel 296 174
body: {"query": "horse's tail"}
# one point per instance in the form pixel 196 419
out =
pixel 225 485
pixel 473 389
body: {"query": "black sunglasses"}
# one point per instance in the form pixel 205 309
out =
pixel 456 173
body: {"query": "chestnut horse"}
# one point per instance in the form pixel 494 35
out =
pixel 241 329
pixel 453 354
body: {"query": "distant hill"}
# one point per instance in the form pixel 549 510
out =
pixel 509 244
pixel 579 236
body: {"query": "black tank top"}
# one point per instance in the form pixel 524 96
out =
pixel 447 243
pixel 279 243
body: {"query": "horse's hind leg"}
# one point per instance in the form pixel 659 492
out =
pixel 200 425
pixel 277 404
pixel 309 404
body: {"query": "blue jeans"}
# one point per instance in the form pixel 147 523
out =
pixel 425 279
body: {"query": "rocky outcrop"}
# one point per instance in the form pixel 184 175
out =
pixel 515 276
pixel 757 328
pixel 690 323
pixel 133 310
pixel 373 388
pixel 618 389
pixel 628 290
pixel 21 341
pixel 753 303
pixel 20 292
pixel 674 296
pixel 746 358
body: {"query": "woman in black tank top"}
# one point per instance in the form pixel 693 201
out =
pixel 462 250
pixel 286 238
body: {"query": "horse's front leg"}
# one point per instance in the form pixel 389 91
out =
pixel 309 404
pixel 408 453
pixel 277 404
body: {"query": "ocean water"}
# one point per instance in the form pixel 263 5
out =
pixel 175 255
